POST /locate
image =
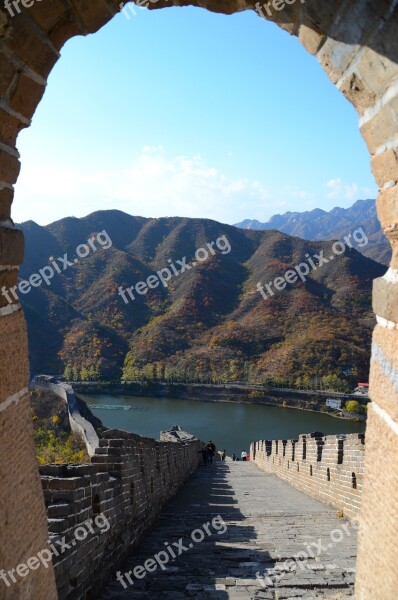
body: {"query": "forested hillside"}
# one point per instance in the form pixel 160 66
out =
pixel 211 321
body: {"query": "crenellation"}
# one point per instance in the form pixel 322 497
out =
pixel 119 488
pixel 326 474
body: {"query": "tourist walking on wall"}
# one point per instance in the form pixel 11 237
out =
pixel 211 449
pixel 204 453
pixel 223 455
pixel 244 455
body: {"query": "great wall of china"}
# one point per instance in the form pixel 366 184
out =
pixel 131 478
pixel 355 43
pixel 99 513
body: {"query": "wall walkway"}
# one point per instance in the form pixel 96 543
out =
pixel 329 468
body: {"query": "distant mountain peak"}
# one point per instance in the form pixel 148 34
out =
pixel 318 224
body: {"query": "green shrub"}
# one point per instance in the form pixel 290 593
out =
pixel 65 448
pixel 353 406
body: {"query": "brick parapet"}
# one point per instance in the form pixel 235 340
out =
pixel 129 480
pixel 78 423
pixel 329 468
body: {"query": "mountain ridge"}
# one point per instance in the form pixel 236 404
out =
pixel 210 320
pixel 318 224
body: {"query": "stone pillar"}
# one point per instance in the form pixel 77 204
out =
pixel 377 575
pixel 23 523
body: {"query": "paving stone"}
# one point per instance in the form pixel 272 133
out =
pixel 268 525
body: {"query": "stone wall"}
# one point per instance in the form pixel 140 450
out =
pixel 23 527
pixel 78 423
pixel 130 479
pixel 327 468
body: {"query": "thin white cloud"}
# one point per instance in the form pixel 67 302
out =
pixel 296 192
pixel 152 185
pixel 346 191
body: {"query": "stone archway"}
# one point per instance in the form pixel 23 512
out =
pixel 356 42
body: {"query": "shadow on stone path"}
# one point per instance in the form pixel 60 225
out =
pixel 267 523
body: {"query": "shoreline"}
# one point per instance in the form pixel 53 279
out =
pixel 217 394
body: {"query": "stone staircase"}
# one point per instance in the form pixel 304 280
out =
pixel 262 539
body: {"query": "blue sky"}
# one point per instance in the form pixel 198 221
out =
pixel 185 112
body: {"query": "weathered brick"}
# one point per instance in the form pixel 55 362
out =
pixel 95 15
pixel 19 478
pixel 387 207
pixel 385 299
pixel 382 378
pixel 7 73
pixel 6 198
pixel 47 14
pixel 64 30
pixel 378 130
pixel 8 280
pixel 378 515
pixel 14 367
pixel 26 43
pixel 9 167
pixel 357 91
pixel 319 16
pixel 310 39
pixel 26 95
pixel 9 128
pixel 11 246
pixel 385 167
pixel 70 483
pixel 335 56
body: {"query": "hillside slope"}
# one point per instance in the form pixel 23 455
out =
pixel 210 320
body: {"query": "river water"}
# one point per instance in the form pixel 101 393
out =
pixel 231 426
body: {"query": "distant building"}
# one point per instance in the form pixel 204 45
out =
pixel 362 389
pixel 332 403
pixel 43 379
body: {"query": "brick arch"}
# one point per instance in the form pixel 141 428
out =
pixel 356 43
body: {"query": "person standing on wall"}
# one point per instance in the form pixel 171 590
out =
pixel 204 454
pixel 211 449
pixel 243 455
